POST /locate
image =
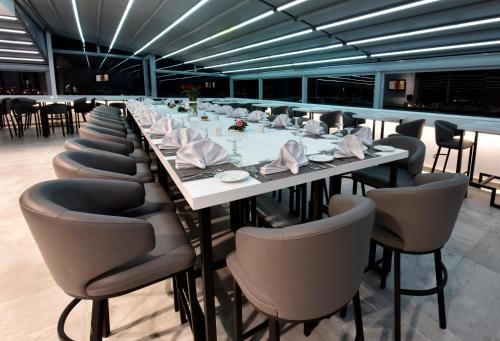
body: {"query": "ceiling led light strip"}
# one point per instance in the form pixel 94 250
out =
pixel 237 27
pixel 18 51
pixel 246 47
pixel 274 56
pixel 6 17
pixel 79 26
pixel 15 42
pixel 334 24
pixel 171 26
pixel 23 59
pixel 428 30
pixel 437 48
pixel 323 61
pixel 377 14
pixel 8 30
pixel 118 29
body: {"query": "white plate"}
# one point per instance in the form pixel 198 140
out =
pixel 330 137
pixel 383 148
pixel 291 127
pixel 320 158
pixel 231 176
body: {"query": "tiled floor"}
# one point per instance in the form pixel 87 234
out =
pixel 30 301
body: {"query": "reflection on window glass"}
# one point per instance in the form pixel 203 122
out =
pixel 170 85
pixel 283 89
pixel 246 88
pixel 355 90
pixel 457 92
pixel 22 83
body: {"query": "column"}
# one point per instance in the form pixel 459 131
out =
pixel 231 87
pixel 378 93
pixel 304 89
pixel 145 75
pixel 261 88
pixel 152 75
pixel 50 76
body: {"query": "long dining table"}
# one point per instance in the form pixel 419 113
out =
pixel 204 192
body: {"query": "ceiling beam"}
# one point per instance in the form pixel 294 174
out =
pixel 96 54
pixel 192 73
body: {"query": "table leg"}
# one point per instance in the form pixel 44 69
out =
pixel 473 161
pixel 382 130
pixel 335 184
pixel 207 272
pixel 374 126
pixel 44 120
pixel 460 152
pixel 316 200
pixel 393 174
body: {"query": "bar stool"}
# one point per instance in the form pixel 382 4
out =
pixel 445 133
pixel 413 128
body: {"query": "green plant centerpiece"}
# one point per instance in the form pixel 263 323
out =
pixel 191 91
pixel 239 125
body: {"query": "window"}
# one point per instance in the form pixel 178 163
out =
pixel 283 89
pixel 246 88
pixel 22 83
pixel 169 85
pixel 355 90
pixel 456 92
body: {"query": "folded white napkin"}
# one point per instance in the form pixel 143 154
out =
pixel 291 157
pixel 218 109
pixel 257 115
pixel 227 109
pixel 169 102
pixel 364 134
pixel 200 154
pixel 314 127
pixel 132 105
pixel 282 121
pixel 239 112
pixel 179 137
pixel 164 126
pixel 147 101
pixel 350 146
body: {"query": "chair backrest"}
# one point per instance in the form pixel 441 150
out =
pixel 5 106
pixel 24 106
pixel 349 120
pixel 73 225
pixel 88 145
pixel 280 110
pixel 105 130
pixel 55 108
pixel 94 165
pixel 330 118
pixel 91 133
pixel 414 163
pixel 413 128
pixel 80 104
pixel 424 215
pixel 310 270
pixel 445 131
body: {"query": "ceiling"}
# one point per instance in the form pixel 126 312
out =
pixel 99 20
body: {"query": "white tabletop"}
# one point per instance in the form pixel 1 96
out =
pixel 379 117
pixel 481 127
pixel 316 110
pixel 268 105
pixel 255 147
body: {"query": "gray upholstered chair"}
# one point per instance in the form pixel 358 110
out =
pixel 109 118
pixel 117 131
pixel 90 145
pixel 96 165
pixel 95 250
pixel 349 121
pixel 407 169
pixel 320 264
pixel 107 110
pixel 417 220
pixel 92 129
pixel 413 128
pixel 109 125
pixel 94 134
pixel 445 133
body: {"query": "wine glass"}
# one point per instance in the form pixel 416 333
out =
pixel 349 129
pixel 340 127
pixel 205 133
pixel 235 157
pixel 297 125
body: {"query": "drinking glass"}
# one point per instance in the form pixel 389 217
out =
pixel 349 129
pixel 235 157
pixel 339 127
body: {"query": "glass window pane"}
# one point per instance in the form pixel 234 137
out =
pixel 246 88
pixel 457 92
pixel 355 90
pixel 22 83
pixel 170 85
pixel 283 89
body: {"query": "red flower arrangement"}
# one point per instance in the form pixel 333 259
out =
pixel 191 91
pixel 238 125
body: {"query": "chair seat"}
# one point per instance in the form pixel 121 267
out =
pixel 454 144
pixel 378 176
pixel 172 253
pixel 386 237
pixel 155 193
pixel 144 173
pixel 140 156
pixel 256 297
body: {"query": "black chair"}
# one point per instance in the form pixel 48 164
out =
pixel 119 105
pixel 350 121
pixel 27 109
pixel 52 111
pixel 407 169
pixel 445 133
pixel 330 118
pixel 413 128
pixel 280 110
pixel 80 106
pixel 6 116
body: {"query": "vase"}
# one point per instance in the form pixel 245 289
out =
pixel 193 108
